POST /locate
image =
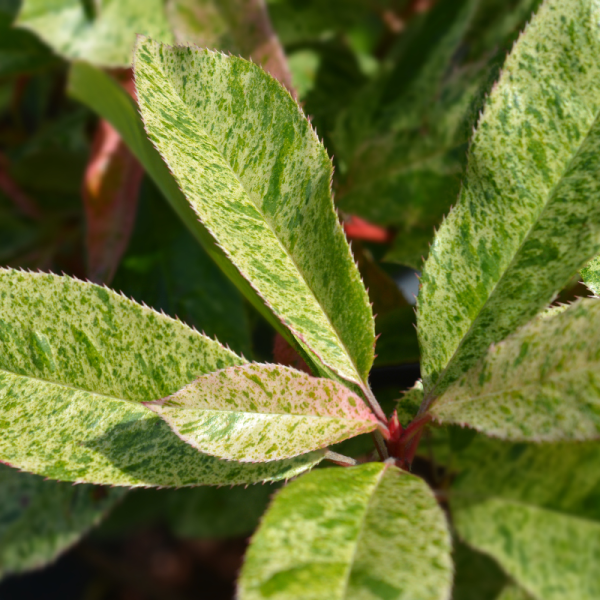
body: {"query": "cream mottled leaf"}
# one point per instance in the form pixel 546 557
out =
pixel 257 413
pixel 76 360
pixel 100 32
pixel 534 509
pixel 103 95
pixel 532 386
pixel 591 275
pixel 255 173
pixel 362 532
pixel 528 217
pixel 41 519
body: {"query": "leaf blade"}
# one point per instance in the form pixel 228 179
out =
pixel 274 194
pixel 551 394
pixel 501 242
pixel 41 519
pixel 84 357
pixel 259 413
pixel 350 560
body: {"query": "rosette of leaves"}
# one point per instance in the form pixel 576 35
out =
pixel 98 389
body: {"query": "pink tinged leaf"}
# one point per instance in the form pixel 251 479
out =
pixel 259 413
pixel 110 195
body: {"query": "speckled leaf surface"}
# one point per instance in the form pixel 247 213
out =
pixel 367 532
pixel 100 32
pixel 257 413
pixel 542 383
pixel 75 361
pixel 528 216
pixel 591 275
pixel 41 519
pixel 534 509
pixel 259 180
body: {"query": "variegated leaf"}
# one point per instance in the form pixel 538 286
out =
pixel 542 383
pixel 528 216
pixel 534 509
pixel 100 92
pixel 100 32
pixel 362 532
pixel 256 175
pixel 40 519
pixel 75 362
pixel 591 275
pixel 258 413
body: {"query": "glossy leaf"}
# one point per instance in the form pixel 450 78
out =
pixel 258 413
pixel 591 275
pixel 528 217
pixel 101 93
pixel 40 519
pixel 529 387
pixel 534 509
pixel 102 33
pixel 83 358
pixel 362 532
pixel 268 177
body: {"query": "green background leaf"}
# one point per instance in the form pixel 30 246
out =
pixel 41 519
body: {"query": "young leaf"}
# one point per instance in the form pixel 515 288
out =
pixel 528 387
pixel 591 275
pixel 100 32
pixel 262 188
pixel 40 519
pixel 258 413
pixel 362 532
pixel 528 216
pixel 75 361
pixel 534 509
pixel 101 93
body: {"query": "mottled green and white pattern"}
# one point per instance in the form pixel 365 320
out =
pixel 542 383
pixel 591 275
pixel 106 38
pixel 363 533
pixel 41 519
pixel 254 171
pixel 257 413
pixel 76 360
pixel 534 509
pixel 528 216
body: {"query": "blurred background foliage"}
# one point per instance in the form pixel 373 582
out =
pixel 394 89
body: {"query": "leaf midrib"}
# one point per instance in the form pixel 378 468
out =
pixel 361 530
pixel 285 250
pixel 430 397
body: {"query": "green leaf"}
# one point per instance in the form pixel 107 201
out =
pixel 362 532
pixel 165 268
pixel 535 510
pixel 40 519
pixel 100 32
pixel 513 592
pixel 101 93
pixel 528 217
pixel 528 387
pixel 591 275
pixel 22 53
pixel 249 163
pixel 259 413
pixel 75 362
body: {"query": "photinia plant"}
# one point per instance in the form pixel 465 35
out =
pixel 98 389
